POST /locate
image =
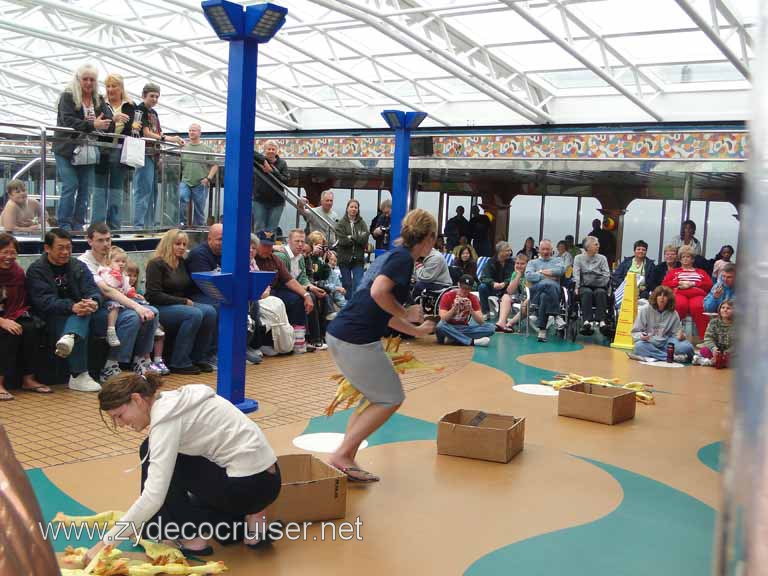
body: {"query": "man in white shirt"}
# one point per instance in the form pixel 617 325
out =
pixel 136 323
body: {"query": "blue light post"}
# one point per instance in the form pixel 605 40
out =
pixel 402 123
pixel 235 285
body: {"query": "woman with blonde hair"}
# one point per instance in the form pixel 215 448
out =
pixel 81 108
pixel 354 337
pixel 110 173
pixel 168 285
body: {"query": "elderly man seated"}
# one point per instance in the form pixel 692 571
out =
pixel 543 275
pixel 457 308
pixel 591 276
pixel 723 290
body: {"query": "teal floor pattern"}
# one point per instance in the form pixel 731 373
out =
pixel 709 455
pixel 655 530
pixel 399 428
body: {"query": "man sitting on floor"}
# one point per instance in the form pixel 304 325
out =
pixel 723 290
pixel 457 307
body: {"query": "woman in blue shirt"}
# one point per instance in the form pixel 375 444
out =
pixel 354 337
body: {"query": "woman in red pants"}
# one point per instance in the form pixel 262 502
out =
pixel 691 285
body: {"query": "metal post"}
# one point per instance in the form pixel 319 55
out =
pixel 578 220
pixel 541 217
pixel 400 189
pixel 686 209
pixel 741 543
pixel 43 160
pixel 706 229
pixel 661 230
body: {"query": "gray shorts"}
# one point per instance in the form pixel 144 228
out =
pixel 369 370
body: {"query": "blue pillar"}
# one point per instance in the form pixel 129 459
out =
pixel 402 123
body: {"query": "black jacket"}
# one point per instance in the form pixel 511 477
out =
pixel 265 190
pixel 381 219
pixel 650 275
pixel 70 116
pixel 43 294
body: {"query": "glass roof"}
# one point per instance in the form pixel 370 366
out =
pixel 338 63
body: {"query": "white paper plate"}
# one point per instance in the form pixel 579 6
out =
pixel 325 442
pixel 535 389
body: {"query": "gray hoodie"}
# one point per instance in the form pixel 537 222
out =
pixel 435 270
pixel 591 270
pixel 658 325
pixel 193 420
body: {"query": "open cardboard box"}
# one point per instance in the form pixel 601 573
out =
pixel 605 404
pixel 475 434
pixel 311 490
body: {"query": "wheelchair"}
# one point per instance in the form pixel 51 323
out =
pixel 429 300
pixel 576 317
pixel 560 320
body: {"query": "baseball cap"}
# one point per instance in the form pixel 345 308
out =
pixel 266 237
pixel 466 280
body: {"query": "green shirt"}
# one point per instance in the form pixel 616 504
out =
pixel 194 167
pixel 521 284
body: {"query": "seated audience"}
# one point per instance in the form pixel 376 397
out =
pixel 132 272
pixel 431 273
pixel 464 243
pixel 719 337
pixel 457 308
pixel 62 292
pixel 723 257
pixel 293 257
pixel 687 238
pixel 691 286
pixel 529 250
pixel 268 313
pixel 465 263
pixel 206 257
pixel 19 214
pixel 136 321
pixel 660 270
pixel 495 275
pixel 168 287
pixel 724 289
pixel 591 276
pixel 658 325
pixel 543 276
pixel 564 254
pixel 19 335
pixel 515 294
pixel 641 265
pixel 333 284
pixel 298 301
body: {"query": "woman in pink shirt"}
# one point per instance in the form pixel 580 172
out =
pixel 691 285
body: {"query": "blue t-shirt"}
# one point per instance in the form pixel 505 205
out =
pixel 362 321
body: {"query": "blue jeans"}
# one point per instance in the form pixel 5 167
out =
pixel 194 327
pixel 294 305
pixel 144 193
pixel 350 278
pixel 137 338
pixel 108 192
pixel 80 326
pixel 463 334
pixel 485 292
pixel 266 216
pixel 659 351
pixel 76 182
pixel 199 196
pixel 546 296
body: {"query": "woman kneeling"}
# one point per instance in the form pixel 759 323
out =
pixel 204 462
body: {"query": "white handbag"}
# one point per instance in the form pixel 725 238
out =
pixel 133 152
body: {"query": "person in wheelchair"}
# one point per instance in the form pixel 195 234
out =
pixel 543 276
pixel 592 276
pixel 515 294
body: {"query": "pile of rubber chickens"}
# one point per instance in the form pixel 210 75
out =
pixel 110 561
pixel 643 394
pixel 402 361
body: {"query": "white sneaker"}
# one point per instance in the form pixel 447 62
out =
pixel 331 316
pixel 159 332
pixel 112 338
pixel 560 323
pixel 83 383
pixel 65 345
pixel 484 341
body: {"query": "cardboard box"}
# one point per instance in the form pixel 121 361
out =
pixel 606 404
pixel 475 434
pixel 311 490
